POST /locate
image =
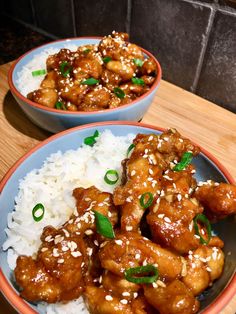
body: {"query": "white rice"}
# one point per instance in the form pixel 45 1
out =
pixel 52 185
pixel 27 83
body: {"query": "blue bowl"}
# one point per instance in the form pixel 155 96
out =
pixel 207 168
pixel 54 120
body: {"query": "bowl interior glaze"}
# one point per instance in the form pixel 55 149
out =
pixel 207 168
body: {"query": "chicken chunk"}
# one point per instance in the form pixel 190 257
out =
pixel 100 301
pixel 204 265
pixel 219 200
pixel 44 96
pixel 131 250
pixel 174 298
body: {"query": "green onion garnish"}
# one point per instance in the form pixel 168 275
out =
pixel 103 225
pixel 111 176
pixel 144 202
pixel 38 212
pixel 91 140
pixel 90 81
pixel 138 62
pixel 106 59
pixel 202 218
pixel 130 148
pixel 184 162
pixel 39 72
pixel 119 92
pixel 138 81
pixel 86 51
pixel 59 105
pixel 148 269
pixel 65 68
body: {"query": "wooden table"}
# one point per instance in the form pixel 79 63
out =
pixel 209 125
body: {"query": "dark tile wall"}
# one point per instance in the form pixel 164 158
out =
pixel 174 38
pixel 99 18
pixel 217 81
pixel 194 40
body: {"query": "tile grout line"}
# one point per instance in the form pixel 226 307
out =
pixel 128 16
pixel 33 13
pixel 201 58
pixel 73 17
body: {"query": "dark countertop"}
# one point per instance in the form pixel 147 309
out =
pixel 16 39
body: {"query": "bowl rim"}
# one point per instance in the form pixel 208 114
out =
pixel 15 91
pixel 21 305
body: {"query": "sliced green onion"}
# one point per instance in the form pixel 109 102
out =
pixel 86 51
pixel 59 105
pixel 138 81
pixel 90 81
pixel 144 202
pixel 202 218
pixel 138 62
pixel 103 225
pixel 63 69
pixel 130 148
pixel 38 212
pixel 111 176
pixel 119 92
pixel 106 59
pixel 142 270
pixel 184 162
pixel 39 72
pixel 91 140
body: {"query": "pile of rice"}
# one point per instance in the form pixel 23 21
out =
pixel 52 185
pixel 27 83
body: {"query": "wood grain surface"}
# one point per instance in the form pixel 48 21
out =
pixel 207 124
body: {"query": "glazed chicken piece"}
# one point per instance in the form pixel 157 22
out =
pixel 173 298
pixel 172 225
pixel 50 80
pixel 204 265
pixel 57 273
pixel 44 96
pixel 140 305
pixel 100 301
pixel 97 98
pixel 130 249
pixel 152 155
pixel 171 216
pixel 53 61
pixel 218 199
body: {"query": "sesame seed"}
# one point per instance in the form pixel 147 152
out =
pixel 60 261
pixel 119 242
pixel 137 256
pixel 55 252
pixel 150 138
pixel 65 248
pixel 155 285
pixel 124 301
pixel 133 173
pixel 167 219
pixel 128 228
pixel 44 249
pixel 135 295
pixel 76 254
pixel 88 232
pixel 108 297
pixel 161 283
pixel 161 216
pixel 208 269
pixel 126 294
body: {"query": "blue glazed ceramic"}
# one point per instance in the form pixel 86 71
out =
pixel 55 120
pixel 212 301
